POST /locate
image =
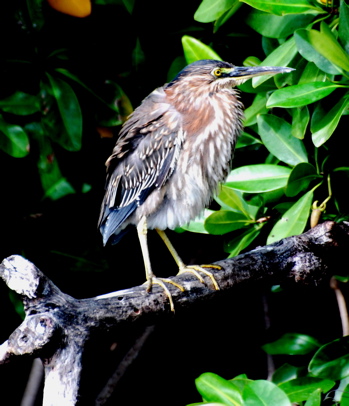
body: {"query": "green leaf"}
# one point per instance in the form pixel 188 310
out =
pixel 343 30
pixel 281 56
pixel 293 222
pixel 300 120
pixel 225 221
pixel 282 7
pixel 323 127
pixel 244 140
pixel 243 240
pixel 300 178
pixel 231 199
pixel 214 388
pixel 258 178
pixel 306 41
pixel 20 103
pixel 314 399
pixel 312 73
pixel 292 344
pixel 257 107
pixel 263 393
pixel 273 26
pixel 69 108
pixel 211 10
pixel 331 361
pixel 60 189
pixel 300 389
pixel 276 135
pixel 13 139
pixel 225 16
pixel 300 95
pixel 285 373
pixel 194 50
pixel 345 397
pixel 198 225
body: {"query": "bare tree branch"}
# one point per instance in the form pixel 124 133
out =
pixel 57 326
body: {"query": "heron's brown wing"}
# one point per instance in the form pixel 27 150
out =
pixel 143 159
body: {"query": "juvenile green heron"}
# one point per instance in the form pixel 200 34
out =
pixel 173 152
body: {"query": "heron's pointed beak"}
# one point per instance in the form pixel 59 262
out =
pixel 248 72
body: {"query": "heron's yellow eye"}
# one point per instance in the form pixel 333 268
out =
pixel 217 72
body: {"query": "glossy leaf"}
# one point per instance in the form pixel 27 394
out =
pixel 225 221
pixel 13 139
pixel 343 30
pixel 195 50
pixel 293 222
pixel 282 7
pixel 20 103
pixel 273 26
pixel 245 139
pixel 300 389
pixel 258 178
pixel 214 388
pixel 282 56
pixel 198 225
pixel 345 397
pixel 331 361
pixel 59 189
pixel 70 112
pixel 243 240
pixel 300 120
pixel 257 107
pixel 327 45
pixel 276 135
pixel 312 73
pixel 231 199
pixel 285 373
pixel 323 127
pixel 211 10
pixel 301 95
pixel 262 393
pixel 300 178
pixel 308 47
pixel 225 16
pixel 314 398
pixel 292 344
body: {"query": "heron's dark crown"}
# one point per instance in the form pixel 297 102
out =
pixel 202 66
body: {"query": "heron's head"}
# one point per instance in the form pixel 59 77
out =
pixel 212 75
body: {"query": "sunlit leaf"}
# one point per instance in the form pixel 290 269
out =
pixel 343 30
pixel 314 398
pixel 331 361
pixel 292 222
pixel 20 103
pixel 214 388
pixel 258 178
pixel 198 225
pixel 195 50
pixel 225 221
pixel 257 107
pixel 276 135
pixel 280 57
pixel 285 373
pixel 292 344
pixel 282 7
pixel 225 16
pixel 322 127
pixel 262 393
pixel 273 26
pixel 300 120
pixel 13 139
pixel 308 47
pixel 232 199
pixel 301 95
pixel 211 10
pixel 299 389
pixel 312 73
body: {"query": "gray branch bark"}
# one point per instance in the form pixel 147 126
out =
pixel 57 326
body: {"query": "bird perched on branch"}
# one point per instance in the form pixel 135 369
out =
pixel 172 153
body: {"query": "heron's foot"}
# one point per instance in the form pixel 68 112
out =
pixel 162 282
pixel 195 269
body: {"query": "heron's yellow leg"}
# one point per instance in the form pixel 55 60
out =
pixel 151 278
pixel 194 269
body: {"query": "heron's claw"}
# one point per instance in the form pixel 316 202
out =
pixel 195 269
